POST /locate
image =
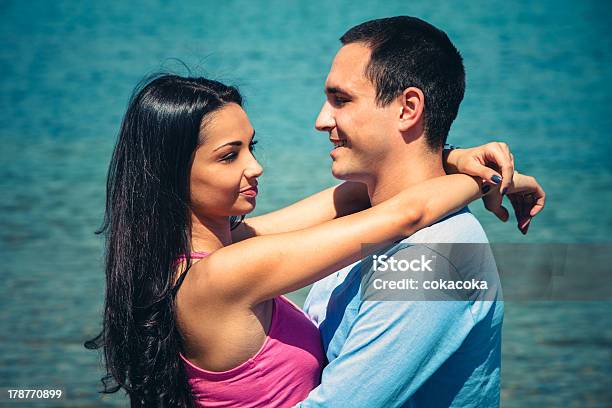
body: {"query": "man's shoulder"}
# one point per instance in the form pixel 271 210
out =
pixel 322 290
pixel 458 227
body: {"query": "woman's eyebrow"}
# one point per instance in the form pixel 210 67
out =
pixel 234 143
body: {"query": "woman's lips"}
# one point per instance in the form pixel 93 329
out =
pixel 249 192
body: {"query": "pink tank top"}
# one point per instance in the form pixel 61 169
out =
pixel 282 373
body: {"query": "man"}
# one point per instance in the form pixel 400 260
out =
pixel 392 93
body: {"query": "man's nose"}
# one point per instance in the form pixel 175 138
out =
pixel 325 121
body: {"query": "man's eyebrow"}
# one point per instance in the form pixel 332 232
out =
pixel 235 142
pixel 335 90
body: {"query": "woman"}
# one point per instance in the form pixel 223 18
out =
pixel 182 169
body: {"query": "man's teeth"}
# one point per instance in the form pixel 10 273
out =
pixel 340 143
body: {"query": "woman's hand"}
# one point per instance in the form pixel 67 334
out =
pixel 526 196
pixel 494 163
pixel 475 161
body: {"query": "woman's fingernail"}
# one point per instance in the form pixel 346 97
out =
pixel 525 223
pixel 496 179
pixel 486 188
pixel 525 229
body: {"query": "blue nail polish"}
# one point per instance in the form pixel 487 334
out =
pixel 486 188
pixel 496 179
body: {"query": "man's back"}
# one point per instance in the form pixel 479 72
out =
pixel 408 352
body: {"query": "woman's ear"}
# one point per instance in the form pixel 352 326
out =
pixel 412 103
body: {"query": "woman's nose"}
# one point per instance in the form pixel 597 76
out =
pixel 254 169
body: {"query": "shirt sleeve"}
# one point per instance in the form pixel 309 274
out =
pixel 392 348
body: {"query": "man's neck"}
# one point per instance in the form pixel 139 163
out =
pixel 398 175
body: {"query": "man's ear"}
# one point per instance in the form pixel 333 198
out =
pixel 412 103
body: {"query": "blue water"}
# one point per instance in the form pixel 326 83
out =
pixel 538 78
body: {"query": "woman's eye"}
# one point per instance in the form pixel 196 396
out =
pixel 230 157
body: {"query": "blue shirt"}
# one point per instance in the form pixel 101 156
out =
pixel 411 353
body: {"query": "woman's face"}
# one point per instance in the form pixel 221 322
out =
pixel 224 172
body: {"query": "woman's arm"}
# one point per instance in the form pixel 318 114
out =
pixel 350 197
pixel 260 268
pixel 346 198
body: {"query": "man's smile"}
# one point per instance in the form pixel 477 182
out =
pixel 338 143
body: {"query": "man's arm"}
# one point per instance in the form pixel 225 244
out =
pixel 393 347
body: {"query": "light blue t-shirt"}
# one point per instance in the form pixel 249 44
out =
pixel 411 353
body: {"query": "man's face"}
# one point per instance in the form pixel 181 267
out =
pixel 356 125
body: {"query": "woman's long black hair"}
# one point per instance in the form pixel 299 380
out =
pixel 147 226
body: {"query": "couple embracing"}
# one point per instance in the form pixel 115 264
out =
pixel 194 311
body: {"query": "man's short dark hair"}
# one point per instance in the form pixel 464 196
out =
pixel 408 52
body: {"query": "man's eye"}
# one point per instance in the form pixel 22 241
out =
pixel 340 101
pixel 252 145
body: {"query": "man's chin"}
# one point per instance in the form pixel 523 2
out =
pixel 350 174
pixel 339 173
